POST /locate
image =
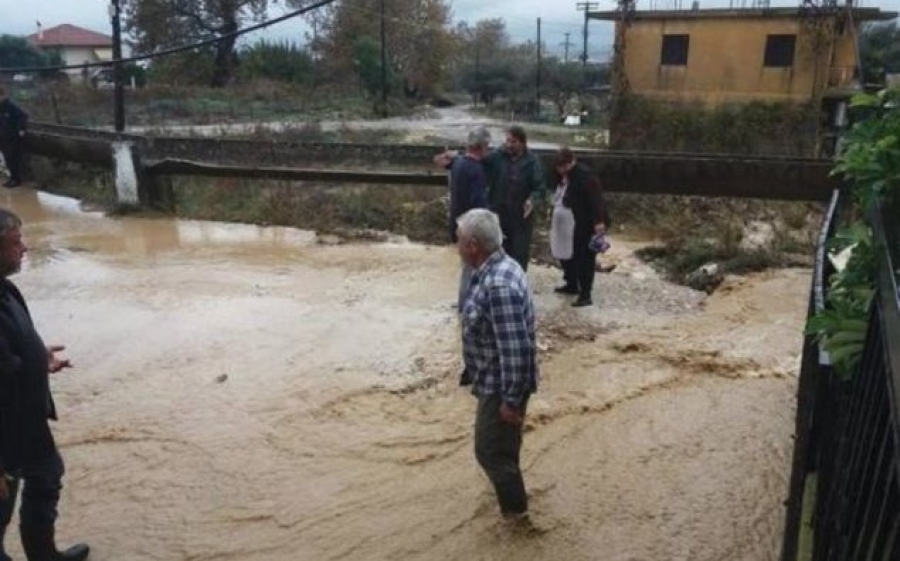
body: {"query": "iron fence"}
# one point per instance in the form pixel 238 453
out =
pixel 848 431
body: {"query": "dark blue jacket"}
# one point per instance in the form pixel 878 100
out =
pixel 25 400
pixel 468 189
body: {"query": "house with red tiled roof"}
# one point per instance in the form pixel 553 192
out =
pixel 74 44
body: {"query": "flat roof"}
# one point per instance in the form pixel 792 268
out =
pixel 860 14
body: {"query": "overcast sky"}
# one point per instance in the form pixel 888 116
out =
pixel 558 17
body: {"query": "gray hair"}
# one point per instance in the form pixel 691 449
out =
pixel 8 222
pixel 483 226
pixel 478 138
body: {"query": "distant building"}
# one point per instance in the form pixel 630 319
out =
pixel 719 56
pixel 728 56
pixel 75 45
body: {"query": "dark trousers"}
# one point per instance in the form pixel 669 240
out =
pixel 579 271
pixel 12 155
pixel 497 446
pixel 517 232
pixel 41 481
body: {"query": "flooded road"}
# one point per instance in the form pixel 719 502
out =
pixel 247 393
pixel 449 123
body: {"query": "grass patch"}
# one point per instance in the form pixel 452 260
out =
pixel 419 214
pixel 161 105
pixel 90 184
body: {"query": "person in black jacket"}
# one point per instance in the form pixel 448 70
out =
pixel 579 197
pixel 27 449
pixel 13 122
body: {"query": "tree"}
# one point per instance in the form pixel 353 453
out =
pixel 419 43
pixel 491 80
pixel 487 40
pixel 367 62
pixel 879 47
pixel 283 62
pixel 561 82
pixel 488 65
pixel 16 52
pixel 189 68
pixel 158 24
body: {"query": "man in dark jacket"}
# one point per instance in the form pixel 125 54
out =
pixel 516 187
pixel 13 122
pixel 27 449
pixel 468 188
pixel 468 182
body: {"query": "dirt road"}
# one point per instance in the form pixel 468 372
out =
pixel 246 393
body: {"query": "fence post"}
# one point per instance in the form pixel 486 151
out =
pixel 125 174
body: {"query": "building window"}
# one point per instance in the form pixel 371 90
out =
pixel 675 50
pixel 780 51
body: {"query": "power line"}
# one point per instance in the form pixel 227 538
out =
pixel 173 50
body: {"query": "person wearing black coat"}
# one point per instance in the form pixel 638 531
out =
pixel 28 452
pixel 579 191
pixel 13 122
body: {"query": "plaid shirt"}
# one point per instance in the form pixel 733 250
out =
pixel 498 331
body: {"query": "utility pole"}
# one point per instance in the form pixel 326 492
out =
pixel 313 48
pixel 115 14
pixel 477 68
pixel 567 43
pixel 537 91
pixel 384 85
pixel 586 7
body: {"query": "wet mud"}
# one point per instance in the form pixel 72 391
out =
pixel 248 393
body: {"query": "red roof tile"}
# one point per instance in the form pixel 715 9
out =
pixel 67 35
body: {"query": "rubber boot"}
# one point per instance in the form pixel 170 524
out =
pixel 40 545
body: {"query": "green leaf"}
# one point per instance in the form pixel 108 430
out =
pixel 865 100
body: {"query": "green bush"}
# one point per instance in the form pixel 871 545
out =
pixel 751 128
pixel 871 164
pixel 281 62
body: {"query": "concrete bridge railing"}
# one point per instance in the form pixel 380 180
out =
pixel 152 158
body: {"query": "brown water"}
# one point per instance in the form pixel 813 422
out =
pixel 246 393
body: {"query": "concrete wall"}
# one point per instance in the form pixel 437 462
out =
pixel 634 172
pixel 83 55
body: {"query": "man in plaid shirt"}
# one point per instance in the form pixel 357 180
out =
pixel 499 352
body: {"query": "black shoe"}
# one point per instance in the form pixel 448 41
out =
pixel 78 552
pixel 582 301
pixel 566 289
pixel 39 545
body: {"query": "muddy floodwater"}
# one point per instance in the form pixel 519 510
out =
pixel 247 393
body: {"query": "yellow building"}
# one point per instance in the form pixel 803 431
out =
pixel 718 56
